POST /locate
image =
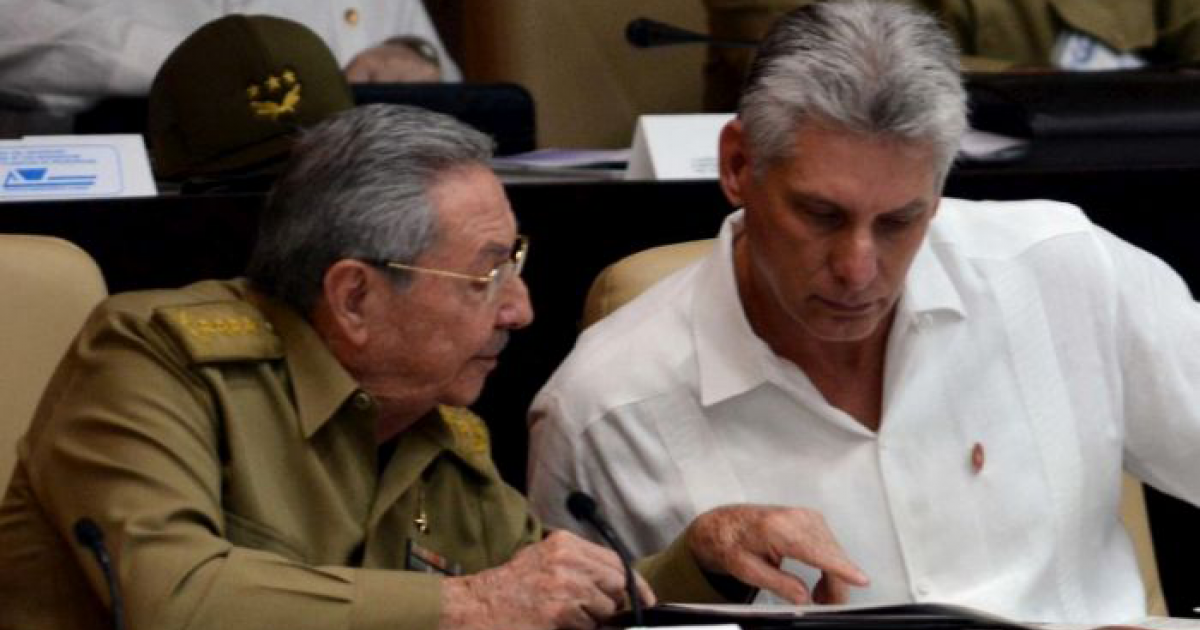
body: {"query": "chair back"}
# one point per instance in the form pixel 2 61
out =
pixel 48 286
pixel 623 280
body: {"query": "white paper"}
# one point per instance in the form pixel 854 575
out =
pixel 72 167
pixel 985 146
pixel 682 146
pixel 1149 623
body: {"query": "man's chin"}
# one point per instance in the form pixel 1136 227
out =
pixel 843 330
pixel 467 389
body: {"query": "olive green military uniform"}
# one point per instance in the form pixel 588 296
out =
pixel 230 461
pixel 993 34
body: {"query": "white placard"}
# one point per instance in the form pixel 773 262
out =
pixel 681 146
pixel 72 167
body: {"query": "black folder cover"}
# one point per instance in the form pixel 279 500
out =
pixel 1058 104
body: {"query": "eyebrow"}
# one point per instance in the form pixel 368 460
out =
pixel 494 251
pixel 911 208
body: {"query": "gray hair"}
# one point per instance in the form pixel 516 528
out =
pixel 866 66
pixel 356 186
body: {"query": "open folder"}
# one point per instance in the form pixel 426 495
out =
pixel 887 617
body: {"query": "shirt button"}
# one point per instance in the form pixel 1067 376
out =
pixel 362 401
pixel 922 590
pixel 351 17
pixel 977 458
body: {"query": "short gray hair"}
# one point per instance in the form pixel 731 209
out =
pixel 356 186
pixel 866 66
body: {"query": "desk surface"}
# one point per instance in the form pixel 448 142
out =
pixel 578 228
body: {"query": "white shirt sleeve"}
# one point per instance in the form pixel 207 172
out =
pixel 416 22
pixel 63 57
pixel 1159 347
pixel 552 462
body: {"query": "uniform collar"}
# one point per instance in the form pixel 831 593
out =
pixel 732 359
pixel 320 384
pixel 460 432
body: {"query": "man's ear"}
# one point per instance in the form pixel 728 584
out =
pixel 347 299
pixel 734 162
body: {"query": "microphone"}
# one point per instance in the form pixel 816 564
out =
pixel 89 534
pixel 647 33
pixel 583 507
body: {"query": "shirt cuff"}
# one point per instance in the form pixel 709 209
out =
pixel 675 576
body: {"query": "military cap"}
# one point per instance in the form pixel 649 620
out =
pixel 229 99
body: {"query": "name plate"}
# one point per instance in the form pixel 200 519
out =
pixel 682 146
pixel 71 167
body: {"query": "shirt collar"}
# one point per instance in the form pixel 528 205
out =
pixel 928 291
pixel 732 359
pixel 728 353
pixel 320 384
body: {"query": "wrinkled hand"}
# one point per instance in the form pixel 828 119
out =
pixel 750 542
pixel 391 63
pixel 560 582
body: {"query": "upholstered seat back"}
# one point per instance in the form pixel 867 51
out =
pixel 47 288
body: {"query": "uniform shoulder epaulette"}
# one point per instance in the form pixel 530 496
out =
pixel 471 439
pixel 219 332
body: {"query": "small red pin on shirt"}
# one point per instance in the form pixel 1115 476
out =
pixel 977 458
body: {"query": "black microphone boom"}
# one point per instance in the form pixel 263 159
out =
pixel 647 33
pixel 89 534
pixel 583 507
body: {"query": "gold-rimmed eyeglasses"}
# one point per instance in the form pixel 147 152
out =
pixel 490 283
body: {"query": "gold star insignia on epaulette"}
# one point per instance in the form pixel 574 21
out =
pixel 265 106
pixel 470 434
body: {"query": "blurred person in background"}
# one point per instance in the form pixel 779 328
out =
pixel 60 57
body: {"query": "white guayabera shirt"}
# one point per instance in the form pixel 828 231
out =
pixel 1033 356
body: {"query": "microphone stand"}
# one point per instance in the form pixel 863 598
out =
pixel 583 507
pixel 89 534
pixel 647 33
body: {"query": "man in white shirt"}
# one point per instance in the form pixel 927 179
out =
pixel 58 57
pixel 953 386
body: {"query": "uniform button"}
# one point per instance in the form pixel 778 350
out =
pixel 362 401
pixel 351 16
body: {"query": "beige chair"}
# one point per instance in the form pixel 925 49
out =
pixel 625 279
pixel 47 287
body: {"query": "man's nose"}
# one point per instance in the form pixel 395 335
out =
pixel 854 259
pixel 515 309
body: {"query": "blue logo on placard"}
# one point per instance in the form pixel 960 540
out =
pixel 41 179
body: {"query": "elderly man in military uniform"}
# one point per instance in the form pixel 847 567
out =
pixel 290 450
